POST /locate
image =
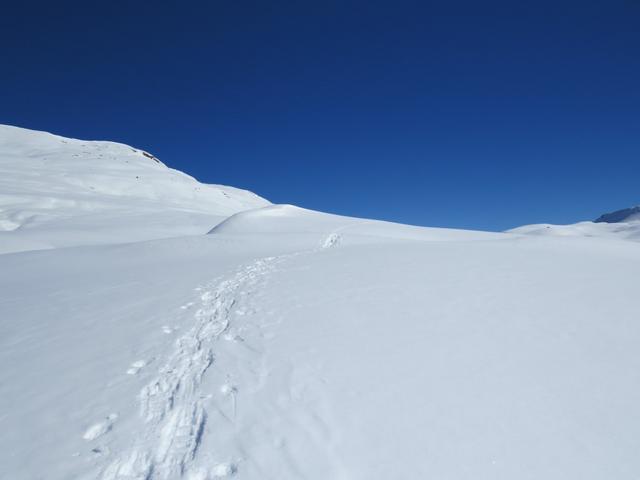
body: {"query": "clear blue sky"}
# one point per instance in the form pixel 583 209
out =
pixel 465 114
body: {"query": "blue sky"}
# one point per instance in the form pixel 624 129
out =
pixel 482 115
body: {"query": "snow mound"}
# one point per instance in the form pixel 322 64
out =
pixel 281 218
pixel 57 191
pixel 625 215
pixel 289 219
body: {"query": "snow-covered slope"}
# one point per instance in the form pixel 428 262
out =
pixel 57 191
pixel 322 354
pixel 290 344
pixel 276 219
pixel 622 224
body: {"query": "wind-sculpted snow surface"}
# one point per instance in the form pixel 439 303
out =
pixel 292 220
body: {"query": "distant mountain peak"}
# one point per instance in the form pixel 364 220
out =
pixel 625 215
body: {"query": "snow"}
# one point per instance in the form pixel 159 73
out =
pixel 619 231
pixel 98 429
pixel 292 344
pixel 329 229
pixel 59 192
pixel 622 225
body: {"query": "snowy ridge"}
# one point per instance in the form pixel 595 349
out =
pixel 56 191
pixel 276 219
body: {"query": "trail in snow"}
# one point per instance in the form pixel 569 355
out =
pixel 334 238
pixel 331 241
pixel 172 406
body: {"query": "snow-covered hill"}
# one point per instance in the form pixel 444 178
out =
pixel 57 191
pixel 622 224
pixel 290 344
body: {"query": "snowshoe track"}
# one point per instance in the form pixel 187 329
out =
pixel 171 405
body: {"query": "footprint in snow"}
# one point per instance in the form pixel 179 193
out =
pixel 136 367
pixel 232 337
pixel 101 451
pixel 223 470
pixel 98 429
pixel 228 389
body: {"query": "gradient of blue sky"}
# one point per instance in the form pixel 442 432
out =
pixel 465 114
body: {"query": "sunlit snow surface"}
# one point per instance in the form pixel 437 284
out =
pixel 291 344
pixel 622 224
pixel 59 192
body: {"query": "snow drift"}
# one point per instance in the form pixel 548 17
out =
pixel 276 219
